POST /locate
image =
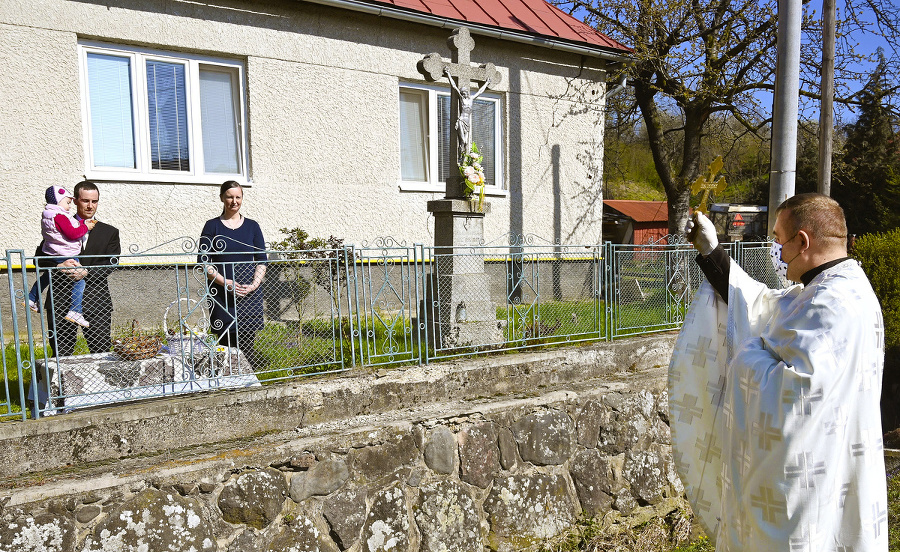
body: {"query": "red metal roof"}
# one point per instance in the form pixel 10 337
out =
pixel 534 17
pixel 640 211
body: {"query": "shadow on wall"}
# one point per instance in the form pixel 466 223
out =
pixel 516 200
pixel 587 193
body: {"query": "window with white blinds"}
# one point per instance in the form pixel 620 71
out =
pixel 413 136
pixel 112 121
pixel 159 116
pixel 425 138
pixel 219 109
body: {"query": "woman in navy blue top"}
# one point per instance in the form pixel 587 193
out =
pixel 233 248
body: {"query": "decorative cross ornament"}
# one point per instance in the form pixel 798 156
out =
pixel 709 184
pixel 460 73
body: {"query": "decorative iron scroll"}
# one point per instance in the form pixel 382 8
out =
pixel 383 242
pixel 519 240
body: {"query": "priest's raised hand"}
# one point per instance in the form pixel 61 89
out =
pixel 701 232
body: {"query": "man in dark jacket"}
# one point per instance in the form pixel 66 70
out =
pixel 100 252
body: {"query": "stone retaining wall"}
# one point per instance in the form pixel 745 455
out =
pixel 502 471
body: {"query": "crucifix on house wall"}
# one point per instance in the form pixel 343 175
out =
pixel 460 73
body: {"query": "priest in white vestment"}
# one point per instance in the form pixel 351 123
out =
pixel 774 394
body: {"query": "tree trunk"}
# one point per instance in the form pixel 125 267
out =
pixel 643 95
pixel 677 186
pixel 679 205
pixel 680 197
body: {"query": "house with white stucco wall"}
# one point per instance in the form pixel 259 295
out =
pixel 316 106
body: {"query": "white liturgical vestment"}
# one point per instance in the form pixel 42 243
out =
pixel 774 409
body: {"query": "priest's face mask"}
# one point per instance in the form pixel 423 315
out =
pixel 781 266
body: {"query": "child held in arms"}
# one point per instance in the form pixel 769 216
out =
pixel 62 234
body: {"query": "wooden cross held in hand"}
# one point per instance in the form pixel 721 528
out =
pixel 461 71
pixel 709 184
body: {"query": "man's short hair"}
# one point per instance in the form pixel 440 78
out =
pixel 85 185
pixel 817 214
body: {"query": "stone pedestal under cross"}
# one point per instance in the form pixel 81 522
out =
pixel 458 303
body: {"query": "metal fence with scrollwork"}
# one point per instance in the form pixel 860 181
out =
pixel 165 327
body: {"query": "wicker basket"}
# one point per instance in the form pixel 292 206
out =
pixel 138 345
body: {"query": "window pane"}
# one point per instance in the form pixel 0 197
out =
pixel 111 119
pixel 168 116
pixel 219 121
pixel 483 134
pixel 413 146
pixel 444 137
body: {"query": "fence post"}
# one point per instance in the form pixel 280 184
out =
pixel 349 253
pixel 597 283
pixel 609 290
pixel 603 286
pixel 14 298
pixel 425 310
pixel 668 277
pixel 418 333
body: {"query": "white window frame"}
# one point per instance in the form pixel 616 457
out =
pixel 143 172
pixel 432 184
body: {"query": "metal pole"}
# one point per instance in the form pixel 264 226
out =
pixel 783 171
pixel 356 347
pixel 17 337
pixel 826 113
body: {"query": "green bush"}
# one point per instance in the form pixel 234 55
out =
pixel 9 379
pixel 312 261
pixel 894 513
pixel 880 258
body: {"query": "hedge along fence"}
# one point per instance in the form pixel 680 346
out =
pixel 880 258
pixel 879 255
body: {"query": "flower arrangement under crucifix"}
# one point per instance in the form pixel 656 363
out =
pixel 471 170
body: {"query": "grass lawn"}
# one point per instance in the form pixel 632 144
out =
pixel 291 349
pixel 298 348
pixel 320 345
pixel 324 345
pixel 553 321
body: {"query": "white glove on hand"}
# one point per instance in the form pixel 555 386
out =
pixel 701 232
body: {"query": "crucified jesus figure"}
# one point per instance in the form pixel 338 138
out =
pixel 464 121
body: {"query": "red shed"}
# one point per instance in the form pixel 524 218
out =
pixel 637 222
